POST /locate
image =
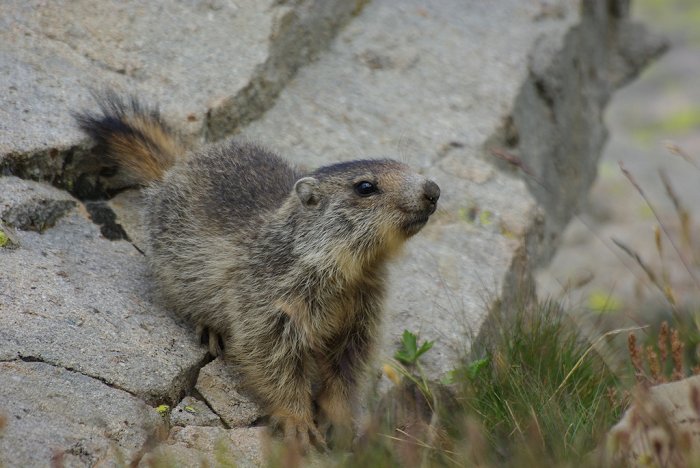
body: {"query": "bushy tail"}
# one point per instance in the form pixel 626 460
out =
pixel 134 136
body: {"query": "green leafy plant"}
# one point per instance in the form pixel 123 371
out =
pixel 409 352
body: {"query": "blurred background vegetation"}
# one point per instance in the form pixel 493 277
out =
pixel 545 390
pixel 654 128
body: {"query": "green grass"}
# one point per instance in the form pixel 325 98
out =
pixel 534 393
pixel 542 393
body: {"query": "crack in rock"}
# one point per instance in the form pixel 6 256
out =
pixel 23 358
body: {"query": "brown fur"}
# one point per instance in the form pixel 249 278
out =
pixel 134 137
pixel 287 268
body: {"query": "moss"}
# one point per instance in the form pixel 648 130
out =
pixel 163 410
pixel 4 240
pixel 680 122
pixel 486 218
pixel 603 302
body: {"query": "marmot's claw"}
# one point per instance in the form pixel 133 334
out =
pixel 303 435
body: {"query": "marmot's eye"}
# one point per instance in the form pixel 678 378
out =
pixel 365 189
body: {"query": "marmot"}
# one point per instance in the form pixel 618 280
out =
pixel 286 268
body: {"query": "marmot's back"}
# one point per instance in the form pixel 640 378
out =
pixel 228 186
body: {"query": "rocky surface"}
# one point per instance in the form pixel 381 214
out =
pixel 443 85
pixel 196 446
pixel 220 386
pixel 32 206
pixel 76 300
pixel 193 412
pixel 661 427
pixel 208 64
pixel 54 414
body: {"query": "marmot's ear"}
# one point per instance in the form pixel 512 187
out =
pixel 308 192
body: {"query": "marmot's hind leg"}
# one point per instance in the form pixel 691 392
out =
pixel 213 340
pixel 341 372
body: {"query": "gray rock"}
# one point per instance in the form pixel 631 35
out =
pixel 193 412
pixel 29 205
pixel 197 446
pixel 128 208
pixel 474 95
pixel 58 416
pixel 220 386
pixel 209 64
pixel 74 299
pixel 556 125
pixel 660 428
pixel 445 87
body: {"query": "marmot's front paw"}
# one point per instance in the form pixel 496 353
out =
pixel 303 434
pixel 341 436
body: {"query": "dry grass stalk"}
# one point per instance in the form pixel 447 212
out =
pixel 641 192
pixel 663 341
pixel 664 288
pixel 612 396
pixel 636 357
pixel 677 355
pixel 681 211
pixel 665 279
pixel 656 359
pixel 658 242
pixel 635 256
pixel 678 151
pixel 515 161
pixel 654 366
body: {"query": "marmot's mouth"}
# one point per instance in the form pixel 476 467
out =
pixel 414 225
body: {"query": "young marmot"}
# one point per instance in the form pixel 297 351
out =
pixel 286 269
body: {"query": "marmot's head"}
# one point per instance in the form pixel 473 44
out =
pixel 367 208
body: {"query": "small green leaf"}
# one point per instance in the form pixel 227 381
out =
pixel 163 410
pixel 409 342
pixel 191 409
pixel 409 352
pixel 448 378
pixel 424 348
pixel 403 357
pixel 475 367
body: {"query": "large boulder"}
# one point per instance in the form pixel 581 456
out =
pixel 210 65
pixel 660 428
pixel 73 299
pixel 501 104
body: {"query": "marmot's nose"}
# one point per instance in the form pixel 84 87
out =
pixel 431 191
